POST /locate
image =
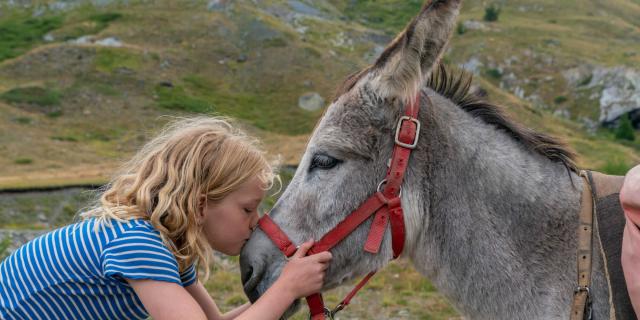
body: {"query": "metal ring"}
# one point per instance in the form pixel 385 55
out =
pixel 384 181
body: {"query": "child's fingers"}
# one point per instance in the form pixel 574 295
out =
pixel 302 250
pixel 322 257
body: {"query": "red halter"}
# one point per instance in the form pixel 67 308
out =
pixel 384 204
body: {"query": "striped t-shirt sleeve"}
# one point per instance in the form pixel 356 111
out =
pixel 189 276
pixel 140 254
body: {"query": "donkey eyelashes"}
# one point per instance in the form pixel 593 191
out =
pixel 323 162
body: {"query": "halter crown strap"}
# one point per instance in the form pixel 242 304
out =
pixel 406 139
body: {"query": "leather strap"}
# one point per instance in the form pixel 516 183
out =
pixel 277 236
pixel 581 307
pixel 406 138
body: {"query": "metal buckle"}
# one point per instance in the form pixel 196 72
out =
pixel 329 314
pixel 582 288
pixel 415 140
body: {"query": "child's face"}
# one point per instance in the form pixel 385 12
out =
pixel 228 224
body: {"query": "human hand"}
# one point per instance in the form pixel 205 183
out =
pixel 303 276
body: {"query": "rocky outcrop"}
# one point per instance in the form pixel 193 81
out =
pixel 617 89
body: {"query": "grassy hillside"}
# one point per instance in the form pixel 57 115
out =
pixel 72 109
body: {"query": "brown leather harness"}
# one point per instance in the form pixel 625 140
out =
pixel 601 226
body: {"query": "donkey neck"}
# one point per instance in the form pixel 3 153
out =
pixel 498 220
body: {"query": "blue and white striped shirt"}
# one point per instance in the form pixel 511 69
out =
pixel 77 273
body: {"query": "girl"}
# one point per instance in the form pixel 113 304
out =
pixel 194 188
pixel 630 200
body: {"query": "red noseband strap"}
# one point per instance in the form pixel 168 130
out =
pixel 384 205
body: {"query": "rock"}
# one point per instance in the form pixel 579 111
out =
pixel 165 64
pixel 578 76
pixel 42 217
pixel 473 65
pixel 166 84
pixel 562 113
pixel 48 37
pixel 311 101
pixel 106 42
pixel 617 89
pixel 303 8
pixel 519 92
pixel 474 25
pixel 217 5
pixel 83 40
pixel 242 58
pixel 109 42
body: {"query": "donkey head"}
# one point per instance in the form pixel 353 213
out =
pixel 347 155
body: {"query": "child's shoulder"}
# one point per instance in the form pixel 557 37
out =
pixel 135 228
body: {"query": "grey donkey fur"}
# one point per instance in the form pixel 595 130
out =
pixel 490 208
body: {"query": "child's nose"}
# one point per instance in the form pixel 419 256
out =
pixel 254 222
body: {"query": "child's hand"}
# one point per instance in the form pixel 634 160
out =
pixel 302 275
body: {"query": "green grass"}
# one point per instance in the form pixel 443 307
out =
pixel 103 19
pixel 388 15
pixel 110 59
pixel 268 109
pixel 23 120
pixel 41 210
pixel 85 20
pixel 38 96
pixel 616 166
pixel 20 32
pixel 4 245
pixel 176 98
pixel 22 161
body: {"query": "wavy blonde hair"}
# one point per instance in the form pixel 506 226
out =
pixel 164 181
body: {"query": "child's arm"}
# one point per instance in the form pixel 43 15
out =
pixel 153 295
pixel 200 294
pixel 301 277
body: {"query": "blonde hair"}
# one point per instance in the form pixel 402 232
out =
pixel 164 181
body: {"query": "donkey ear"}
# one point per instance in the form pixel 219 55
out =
pixel 401 69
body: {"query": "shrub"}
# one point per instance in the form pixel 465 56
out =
pixel 32 95
pixel 461 29
pixel 491 13
pixel 560 99
pixel 494 73
pixel 23 161
pixel 625 130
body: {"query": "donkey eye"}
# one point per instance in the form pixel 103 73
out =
pixel 323 161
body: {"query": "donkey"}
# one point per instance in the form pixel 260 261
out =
pixel 490 207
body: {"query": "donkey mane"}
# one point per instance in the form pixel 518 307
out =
pixel 456 86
